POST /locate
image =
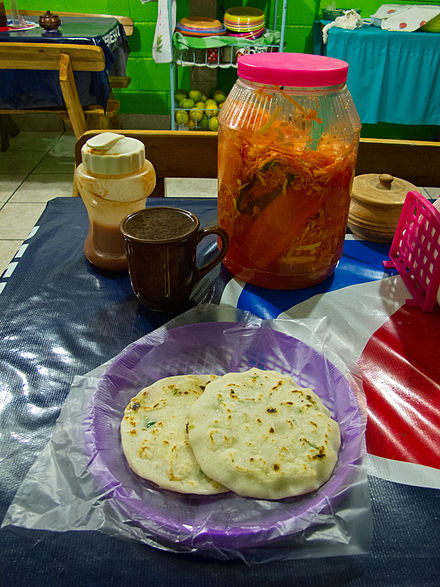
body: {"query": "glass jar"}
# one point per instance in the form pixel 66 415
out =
pixel 114 180
pixel 287 149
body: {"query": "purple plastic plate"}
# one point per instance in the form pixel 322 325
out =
pixel 227 521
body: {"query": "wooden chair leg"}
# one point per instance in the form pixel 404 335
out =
pixel 4 135
pixel 99 121
pixel 8 129
pixel 159 190
pixel 70 95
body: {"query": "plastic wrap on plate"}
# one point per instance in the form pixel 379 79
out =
pixel 81 481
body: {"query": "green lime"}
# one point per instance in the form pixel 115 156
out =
pixel 211 110
pixel 195 114
pixel 180 95
pixel 204 123
pixel 219 96
pixel 191 124
pixel 211 102
pixel 213 123
pixel 195 95
pixel 182 117
pixel 201 105
pixel 204 97
pixel 187 103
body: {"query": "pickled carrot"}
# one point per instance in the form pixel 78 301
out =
pixel 275 228
pixel 310 114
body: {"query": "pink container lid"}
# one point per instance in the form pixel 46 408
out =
pixel 292 69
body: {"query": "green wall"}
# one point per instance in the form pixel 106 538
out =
pixel 149 92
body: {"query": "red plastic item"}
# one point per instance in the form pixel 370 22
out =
pixel 415 250
pixel 212 56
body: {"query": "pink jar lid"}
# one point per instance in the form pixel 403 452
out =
pixel 299 70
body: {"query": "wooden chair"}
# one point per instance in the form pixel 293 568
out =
pixel 172 153
pixel 65 59
pixel 194 154
pixel 416 161
pixel 125 21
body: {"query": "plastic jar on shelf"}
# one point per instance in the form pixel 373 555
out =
pixel 288 140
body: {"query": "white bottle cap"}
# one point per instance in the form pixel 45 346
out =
pixel 109 153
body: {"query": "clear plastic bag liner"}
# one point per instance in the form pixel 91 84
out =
pixel 81 480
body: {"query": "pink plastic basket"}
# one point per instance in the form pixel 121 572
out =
pixel 415 250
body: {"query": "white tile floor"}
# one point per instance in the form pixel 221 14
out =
pixel 38 166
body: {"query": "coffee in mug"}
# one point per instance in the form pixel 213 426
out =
pixel 161 246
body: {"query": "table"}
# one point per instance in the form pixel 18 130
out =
pixel 40 91
pixel 60 318
pixel 393 77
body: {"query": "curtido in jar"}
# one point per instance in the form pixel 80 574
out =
pixel 114 180
pixel 287 149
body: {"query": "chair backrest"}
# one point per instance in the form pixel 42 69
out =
pixel 126 21
pixel 46 56
pixel 172 153
pixel 416 161
pixel 194 154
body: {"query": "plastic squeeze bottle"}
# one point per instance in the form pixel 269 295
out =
pixel 114 180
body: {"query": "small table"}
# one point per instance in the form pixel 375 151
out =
pixel 36 90
pixel 393 76
pixel 60 317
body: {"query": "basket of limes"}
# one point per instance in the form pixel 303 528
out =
pixel 196 110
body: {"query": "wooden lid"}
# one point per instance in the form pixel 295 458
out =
pixel 381 189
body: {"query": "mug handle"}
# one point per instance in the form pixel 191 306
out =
pixel 204 269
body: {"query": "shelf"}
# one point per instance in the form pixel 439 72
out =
pixel 223 56
pixel 215 57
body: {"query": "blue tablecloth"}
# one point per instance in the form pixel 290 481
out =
pixel 61 317
pixel 41 89
pixel 393 77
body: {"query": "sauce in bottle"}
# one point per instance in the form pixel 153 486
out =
pixel 114 180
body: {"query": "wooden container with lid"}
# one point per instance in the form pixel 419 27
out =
pixel 49 21
pixel 376 204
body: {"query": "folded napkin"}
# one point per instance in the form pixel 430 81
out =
pixel 349 20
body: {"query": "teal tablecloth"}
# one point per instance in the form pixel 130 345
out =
pixel 393 77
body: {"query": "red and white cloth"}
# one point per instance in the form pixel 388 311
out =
pixel 405 17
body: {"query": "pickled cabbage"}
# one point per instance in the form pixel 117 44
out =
pixel 284 203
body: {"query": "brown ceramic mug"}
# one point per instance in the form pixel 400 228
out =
pixel 161 244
